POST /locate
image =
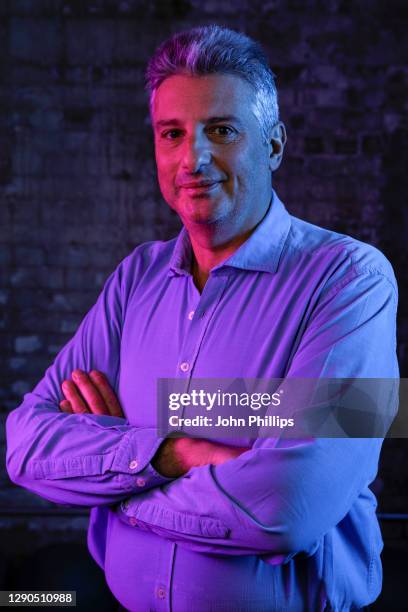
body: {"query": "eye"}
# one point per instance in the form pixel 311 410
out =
pixel 221 130
pixel 171 134
pixel 222 134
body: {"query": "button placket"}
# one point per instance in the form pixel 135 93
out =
pixel 200 318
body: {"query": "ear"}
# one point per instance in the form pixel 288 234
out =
pixel 277 145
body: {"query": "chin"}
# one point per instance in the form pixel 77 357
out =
pixel 202 217
pixel 197 219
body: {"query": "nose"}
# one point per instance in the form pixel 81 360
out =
pixel 196 153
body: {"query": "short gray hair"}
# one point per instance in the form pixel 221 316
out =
pixel 218 50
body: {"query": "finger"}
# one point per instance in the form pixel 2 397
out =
pixel 65 406
pixel 72 394
pixel 106 391
pixel 89 392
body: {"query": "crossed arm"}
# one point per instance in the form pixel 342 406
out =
pixel 278 498
pixel 92 393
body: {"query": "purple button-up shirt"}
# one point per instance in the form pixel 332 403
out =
pixel 289 524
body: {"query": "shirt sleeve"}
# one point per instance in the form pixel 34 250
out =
pixel 86 459
pixel 280 497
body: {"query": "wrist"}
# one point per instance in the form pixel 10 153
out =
pixel 167 460
pixel 193 452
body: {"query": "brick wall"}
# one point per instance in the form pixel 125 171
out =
pixel 77 176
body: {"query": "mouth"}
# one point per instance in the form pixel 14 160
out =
pixel 201 187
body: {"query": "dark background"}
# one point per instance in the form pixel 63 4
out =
pixel 78 192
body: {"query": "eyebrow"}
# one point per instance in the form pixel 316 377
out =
pixel 216 119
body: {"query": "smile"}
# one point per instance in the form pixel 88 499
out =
pixel 200 188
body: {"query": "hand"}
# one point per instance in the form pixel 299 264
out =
pixel 176 456
pixel 89 393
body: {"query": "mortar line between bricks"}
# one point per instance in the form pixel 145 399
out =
pixel 43 511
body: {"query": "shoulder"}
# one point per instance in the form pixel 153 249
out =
pixel 156 253
pixel 148 262
pixel 340 256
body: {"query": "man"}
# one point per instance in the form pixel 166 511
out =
pixel 245 290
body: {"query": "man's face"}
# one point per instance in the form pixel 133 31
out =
pixel 213 165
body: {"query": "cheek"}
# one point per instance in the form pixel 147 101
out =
pixel 244 171
pixel 165 174
pixel 255 168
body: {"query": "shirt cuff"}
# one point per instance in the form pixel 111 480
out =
pixel 133 457
pixel 154 517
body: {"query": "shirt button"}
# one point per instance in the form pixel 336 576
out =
pixel 191 315
pixel 184 366
pixel 161 593
pixel 140 482
pixel 133 521
pixel 133 464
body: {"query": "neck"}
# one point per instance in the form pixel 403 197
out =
pixel 207 256
pixel 210 250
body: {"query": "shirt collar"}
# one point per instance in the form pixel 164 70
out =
pixel 260 252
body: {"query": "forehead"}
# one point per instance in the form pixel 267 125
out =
pixel 184 97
